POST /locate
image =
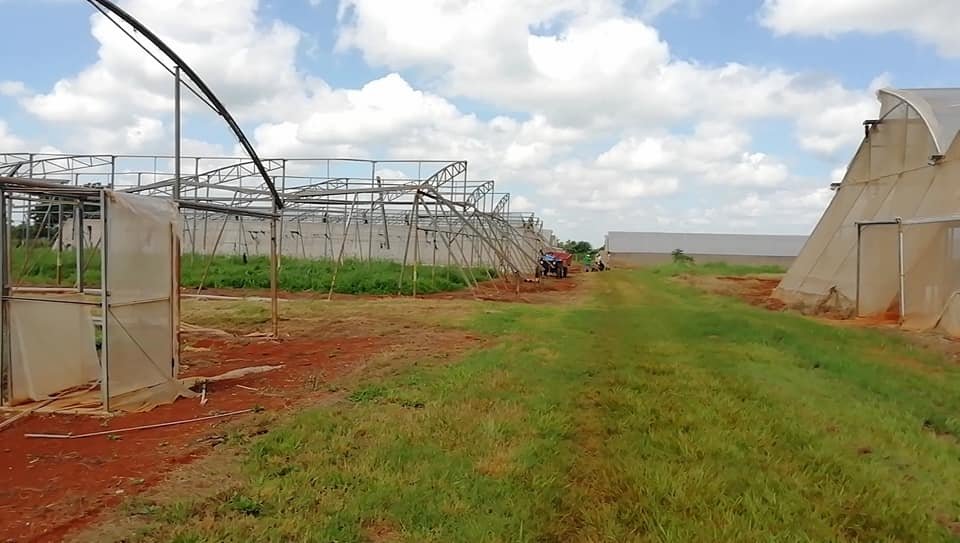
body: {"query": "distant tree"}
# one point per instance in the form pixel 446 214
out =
pixel 680 257
pixel 577 247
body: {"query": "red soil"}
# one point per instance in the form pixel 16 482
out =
pixel 501 290
pixel 52 486
pixel 756 291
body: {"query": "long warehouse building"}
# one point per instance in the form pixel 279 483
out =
pixel 650 248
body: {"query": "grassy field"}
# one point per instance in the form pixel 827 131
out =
pixel 644 411
pixel 717 268
pixel 354 277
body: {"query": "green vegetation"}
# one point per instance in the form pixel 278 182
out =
pixel 583 251
pixel 680 257
pixel 716 268
pixel 648 411
pixel 354 276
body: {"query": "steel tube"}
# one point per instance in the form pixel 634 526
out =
pixel 900 268
pixel 105 305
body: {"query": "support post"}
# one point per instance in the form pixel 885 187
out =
pixel 274 264
pixel 59 243
pixel 900 268
pixel 104 305
pixel 383 216
pixel 283 190
pixel 343 244
pixel 176 134
pixel 406 250
pixel 78 225
pixel 6 364
pixel 859 256
pixel 373 184
pixel 416 240
pixel 174 301
pixel 175 238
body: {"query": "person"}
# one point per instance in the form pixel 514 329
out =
pixel 599 262
pixel 544 264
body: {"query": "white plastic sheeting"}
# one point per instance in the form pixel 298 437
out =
pixel 140 338
pixel 891 175
pixel 52 348
pixel 52 340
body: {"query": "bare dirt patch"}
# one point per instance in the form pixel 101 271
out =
pixel 55 487
pixel 500 290
pixel 754 289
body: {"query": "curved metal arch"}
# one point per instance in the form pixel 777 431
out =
pixel 193 76
pixel 927 113
pixel 447 174
pixel 479 192
pixel 502 204
pixel 438 179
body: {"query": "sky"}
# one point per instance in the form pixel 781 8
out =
pixel 598 115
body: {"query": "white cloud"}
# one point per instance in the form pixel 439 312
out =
pixel 599 68
pixel 390 173
pixel 12 88
pixel 249 64
pixel 837 174
pixel 9 142
pixel 715 153
pixel 782 211
pixel 837 127
pixel 575 187
pixel 653 8
pixel 410 123
pixel 384 108
pixel 578 77
pixel 929 21
pixel 521 203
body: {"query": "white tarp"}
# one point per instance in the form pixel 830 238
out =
pixel 52 348
pixel 140 279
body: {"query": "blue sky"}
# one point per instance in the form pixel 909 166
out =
pixel 692 115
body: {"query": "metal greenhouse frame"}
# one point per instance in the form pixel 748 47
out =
pixel 148 210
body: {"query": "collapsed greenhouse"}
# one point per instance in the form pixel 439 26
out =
pixel 136 216
pixel 126 221
pixel 889 242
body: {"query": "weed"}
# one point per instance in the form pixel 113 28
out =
pixel 245 505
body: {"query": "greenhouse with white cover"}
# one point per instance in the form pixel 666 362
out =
pixel 889 242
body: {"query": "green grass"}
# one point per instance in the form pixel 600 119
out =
pixel 646 412
pixel 354 276
pixel 717 268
